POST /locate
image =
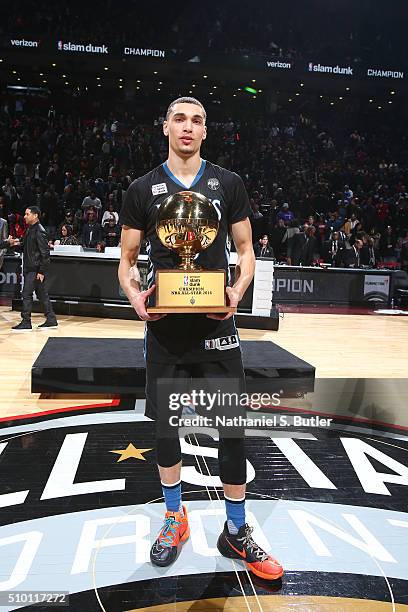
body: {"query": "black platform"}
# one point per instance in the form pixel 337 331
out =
pixel 116 366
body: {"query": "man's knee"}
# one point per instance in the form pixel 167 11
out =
pixel 168 451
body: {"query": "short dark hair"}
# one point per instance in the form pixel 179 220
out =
pixel 34 210
pixel 185 100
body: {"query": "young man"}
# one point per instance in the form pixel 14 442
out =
pixel 36 259
pixel 192 345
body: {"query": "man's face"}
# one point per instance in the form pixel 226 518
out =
pixel 335 235
pixel 185 129
pixel 30 217
pixel 91 216
pixel 264 240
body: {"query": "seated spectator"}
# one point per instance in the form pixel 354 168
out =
pixel 17 226
pixel 100 247
pixel 109 214
pixel 263 248
pixel 111 233
pixel 91 201
pixel 67 236
pixel 69 219
pixel 91 232
pixel 285 213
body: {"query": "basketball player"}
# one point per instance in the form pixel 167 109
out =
pixel 192 345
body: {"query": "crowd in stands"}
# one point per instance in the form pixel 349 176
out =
pixel 335 195
pixel 352 31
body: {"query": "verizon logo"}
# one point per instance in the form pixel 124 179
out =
pixel 278 64
pixel 24 43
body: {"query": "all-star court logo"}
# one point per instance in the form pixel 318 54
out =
pixel 213 183
pixel 83 492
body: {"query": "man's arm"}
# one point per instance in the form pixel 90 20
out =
pixel 44 249
pixel 244 270
pixel 131 240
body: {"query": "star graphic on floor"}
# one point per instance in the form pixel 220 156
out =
pixel 131 451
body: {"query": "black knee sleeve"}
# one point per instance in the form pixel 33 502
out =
pixel 232 460
pixel 168 451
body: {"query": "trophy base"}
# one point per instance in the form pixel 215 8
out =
pixel 191 309
pixel 184 291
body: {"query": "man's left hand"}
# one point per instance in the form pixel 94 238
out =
pixel 233 298
pixel 40 277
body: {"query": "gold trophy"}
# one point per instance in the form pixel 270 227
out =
pixel 187 222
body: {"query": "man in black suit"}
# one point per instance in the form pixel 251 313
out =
pixel 332 249
pixel 263 248
pixel 369 255
pixel 304 246
pixel 352 256
pixel 91 232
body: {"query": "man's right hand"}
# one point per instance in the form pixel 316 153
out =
pixel 13 241
pixel 139 304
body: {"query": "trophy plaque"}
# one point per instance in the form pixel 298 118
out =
pixel 187 223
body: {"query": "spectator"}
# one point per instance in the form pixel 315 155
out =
pixel 20 172
pixel 263 248
pixel 67 236
pixel 109 214
pixel 285 213
pixel 91 232
pixel 388 243
pixel 352 255
pixel 369 255
pixel 93 201
pixel 111 233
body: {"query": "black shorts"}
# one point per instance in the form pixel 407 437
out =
pixel 209 370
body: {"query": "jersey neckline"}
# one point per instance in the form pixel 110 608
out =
pixel 179 183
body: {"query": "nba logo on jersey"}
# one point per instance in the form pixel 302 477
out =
pixel 185 280
pixel 213 183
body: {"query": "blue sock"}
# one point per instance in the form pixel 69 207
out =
pixel 235 514
pixel 172 496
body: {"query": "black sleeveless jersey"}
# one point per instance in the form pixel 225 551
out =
pixel 187 338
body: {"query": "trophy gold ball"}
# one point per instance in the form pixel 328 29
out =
pixel 187 222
